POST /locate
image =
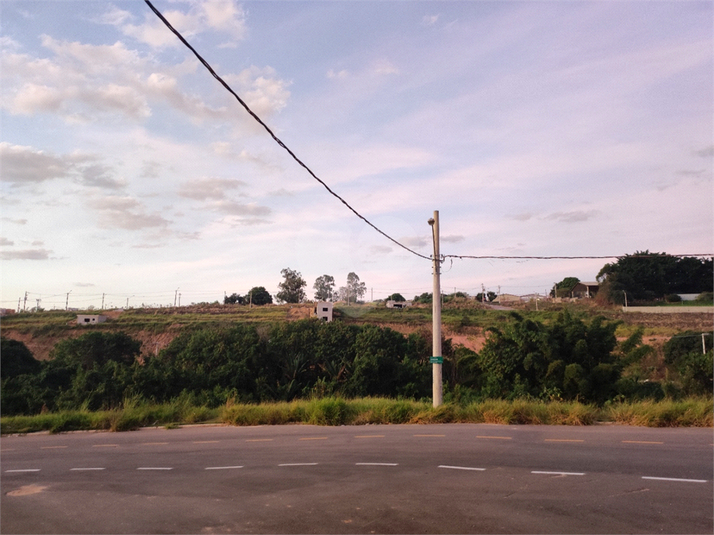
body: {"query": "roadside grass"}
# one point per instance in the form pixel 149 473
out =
pixel 692 412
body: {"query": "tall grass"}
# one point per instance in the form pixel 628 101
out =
pixel 135 413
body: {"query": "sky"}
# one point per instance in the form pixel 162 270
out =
pixel 130 176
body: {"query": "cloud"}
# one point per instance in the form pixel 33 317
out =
pixel 80 82
pixel 213 16
pixel 413 241
pixel 84 284
pixel 261 89
pixel 4 241
pixel 26 254
pixel 15 221
pixel 576 216
pixel 239 209
pixel 26 165
pixel 524 216
pixel 126 213
pixel 706 152
pixel 384 67
pixel 98 176
pixel 340 75
pixel 380 249
pixel 451 239
pixel 429 20
pixel 208 188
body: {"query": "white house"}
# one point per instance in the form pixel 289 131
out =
pixel 398 304
pixel 90 319
pixel 323 310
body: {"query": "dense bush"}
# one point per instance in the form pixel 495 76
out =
pixel 569 359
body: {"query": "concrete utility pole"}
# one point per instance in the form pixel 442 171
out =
pixel 437 359
pixel 66 303
pixel 176 295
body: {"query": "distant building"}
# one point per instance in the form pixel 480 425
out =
pixel 585 289
pixel 507 298
pixel 90 319
pixel 398 304
pixel 323 310
pixel 6 311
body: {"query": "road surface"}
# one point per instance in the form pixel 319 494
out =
pixel 460 478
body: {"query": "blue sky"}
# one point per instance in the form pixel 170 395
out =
pixel 535 128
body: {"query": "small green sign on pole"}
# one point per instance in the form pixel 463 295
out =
pixel 436 360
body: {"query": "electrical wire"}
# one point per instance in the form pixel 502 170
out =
pixel 277 140
pixel 442 258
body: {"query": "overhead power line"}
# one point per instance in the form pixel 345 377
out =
pixel 343 201
pixel 272 134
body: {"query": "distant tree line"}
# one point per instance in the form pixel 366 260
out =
pixel 571 359
pixel 646 276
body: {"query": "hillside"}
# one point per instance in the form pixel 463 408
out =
pixel 464 322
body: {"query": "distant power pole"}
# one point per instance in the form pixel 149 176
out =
pixel 103 301
pixel 179 299
pixel 18 304
pixel 24 305
pixel 66 303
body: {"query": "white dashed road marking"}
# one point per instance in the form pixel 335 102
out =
pixel 222 467
pixel 676 479
pixel 154 468
pixel 298 464
pixel 85 469
pixel 558 473
pixel 24 470
pixel 461 468
pixel 376 464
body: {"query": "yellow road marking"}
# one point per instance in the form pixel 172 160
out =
pixel 105 446
pixel 562 440
pixel 52 447
pixel 500 438
pixel 369 436
pixel 259 439
pixel 313 438
pixel 640 442
pixel 206 442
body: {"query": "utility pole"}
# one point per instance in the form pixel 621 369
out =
pixel 66 303
pixel 103 301
pixel 176 295
pixel 18 304
pixel 179 299
pixel 437 359
pixel 37 308
pixel 24 305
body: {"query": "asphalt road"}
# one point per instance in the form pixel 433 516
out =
pixel 368 479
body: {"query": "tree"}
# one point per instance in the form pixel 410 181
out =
pixel 564 287
pixel 648 276
pixel 488 296
pixel 258 296
pixel 233 299
pixel 291 289
pixel 324 288
pixel 396 297
pixel 354 289
pixel 16 359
